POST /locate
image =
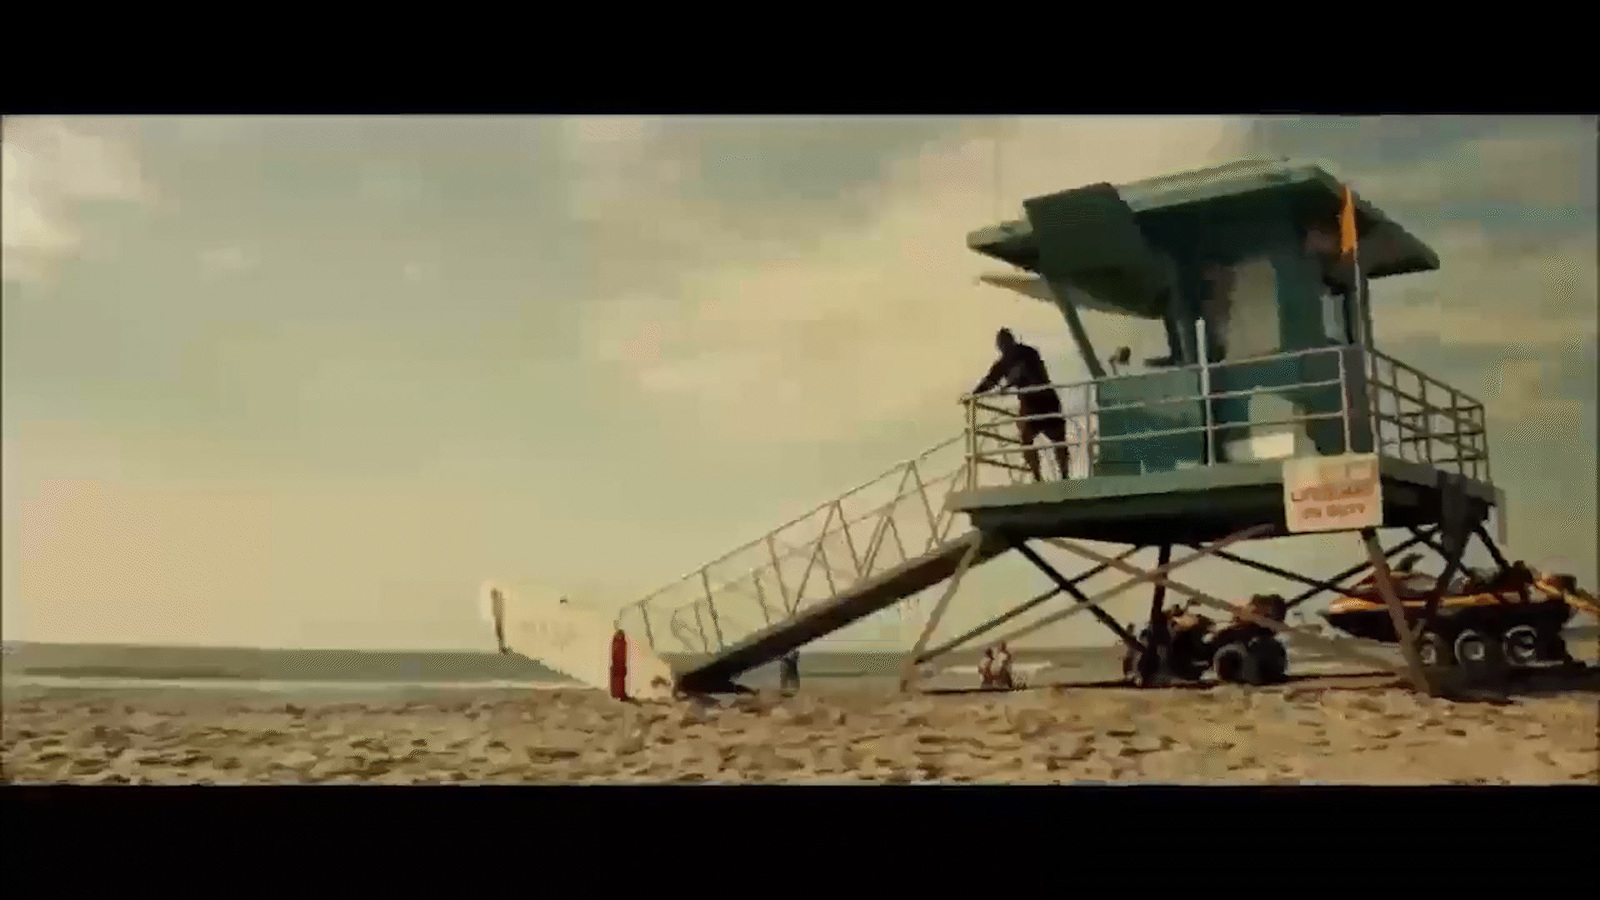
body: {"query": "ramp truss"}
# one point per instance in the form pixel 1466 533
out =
pixel 863 551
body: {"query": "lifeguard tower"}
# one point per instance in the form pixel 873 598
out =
pixel 1271 413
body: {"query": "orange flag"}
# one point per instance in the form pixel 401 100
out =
pixel 1347 225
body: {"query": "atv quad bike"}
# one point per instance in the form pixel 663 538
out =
pixel 1184 646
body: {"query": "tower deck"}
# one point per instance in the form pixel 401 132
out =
pixel 1187 506
pixel 1169 459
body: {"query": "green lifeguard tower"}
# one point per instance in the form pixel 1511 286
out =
pixel 1270 357
pixel 1270 413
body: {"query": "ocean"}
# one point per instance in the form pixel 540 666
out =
pixel 110 666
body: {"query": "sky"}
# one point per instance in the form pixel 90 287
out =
pixel 307 382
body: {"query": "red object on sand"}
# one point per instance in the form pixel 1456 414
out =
pixel 619 665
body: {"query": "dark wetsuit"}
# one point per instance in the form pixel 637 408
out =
pixel 1022 367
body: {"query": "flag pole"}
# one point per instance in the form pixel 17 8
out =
pixel 1350 244
pixel 1360 397
pixel 1361 293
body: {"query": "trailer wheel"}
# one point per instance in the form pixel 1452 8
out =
pixel 1434 651
pixel 1521 645
pixel 1479 655
pixel 1235 665
pixel 1553 646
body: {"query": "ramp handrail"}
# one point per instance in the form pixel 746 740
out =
pixel 897 515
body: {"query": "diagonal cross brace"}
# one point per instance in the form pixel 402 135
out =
pixel 1061 582
pixel 1005 617
pixel 1141 578
pixel 1332 647
pixel 1331 586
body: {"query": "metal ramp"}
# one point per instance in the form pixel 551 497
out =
pixel 859 601
pixel 871 547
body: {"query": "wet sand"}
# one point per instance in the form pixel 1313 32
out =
pixel 1296 733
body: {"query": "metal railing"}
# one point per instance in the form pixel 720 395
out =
pixel 1384 406
pixel 899 515
pixel 1419 418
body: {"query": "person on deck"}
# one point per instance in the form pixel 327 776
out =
pixel 986 668
pixel 1021 368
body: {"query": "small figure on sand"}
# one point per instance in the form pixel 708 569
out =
pixel 1002 667
pixel 995 670
pixel 789 672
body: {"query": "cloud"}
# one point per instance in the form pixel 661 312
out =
pixel 1419 161
pixel 819 338
pixel 227 258
pixel 50 168
pixel 115 539
pixel 1523 393
pixel 1496 291
pixel 391 183
pixel 1508 205
pixel 1531 171
pixel 604 151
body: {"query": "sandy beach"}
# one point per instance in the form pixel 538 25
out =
pixel 1295 733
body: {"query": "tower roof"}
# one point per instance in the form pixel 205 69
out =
pixel 1386 248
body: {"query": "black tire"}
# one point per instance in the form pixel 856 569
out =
pixel 1272 660
pixel 1235 665
pixel 1435 651
pixel 1522 645
pixel 1479 655
pixel 1553 646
